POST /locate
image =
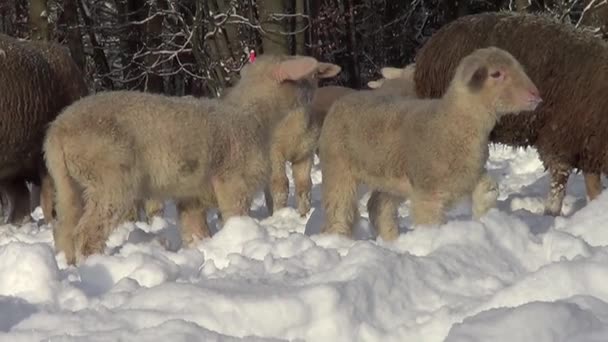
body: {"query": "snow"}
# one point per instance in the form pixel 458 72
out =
pixel 515 275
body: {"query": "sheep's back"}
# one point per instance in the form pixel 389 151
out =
pixel 366 128
pixel 66 71
pixel 27 104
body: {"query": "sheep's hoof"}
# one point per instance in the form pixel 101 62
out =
pixel 551 212
pixel 390 234
pixel 338 230
pixel 304 204
pixel 304 211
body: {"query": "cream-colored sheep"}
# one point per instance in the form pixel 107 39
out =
pixel 396 79
pixel 296 138
pixel 430 150
pixel 110 149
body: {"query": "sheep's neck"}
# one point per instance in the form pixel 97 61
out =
pixel 468 113
pixel 266 117
pixel 258 103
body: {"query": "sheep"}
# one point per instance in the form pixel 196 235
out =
pixel 568 128
pixel 32 92
pixel 110 149
pixel 432 151
pixel 149 207
pixel 73 87
pixel 296 138
pixel 390 80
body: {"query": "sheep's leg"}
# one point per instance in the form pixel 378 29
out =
pixel 232 197
pixel 268 199
pixel 6 205
pixel 153 207
pixel 133 213
pixel 428 209
pixel 382 208
pixel 69 208
pixel 18 195
pixel 593 185
pixel 34 196
pixel 339 197
pixel 104 210
pixel 46 198
pixel 193 218
pixel 559 179
pixel 303 183
pixel 277 197
pixel 485 196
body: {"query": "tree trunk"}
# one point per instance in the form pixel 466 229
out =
pixel 521 5
pixel 198 49
pixel 273 41
pixel 39 25
pixel 129 12
pixel 595 16
pixel 154 28
pixel 351 45
pixel 99 56
pixel 300 25
pixel 312 10
pixel 69 18
pixel 8 16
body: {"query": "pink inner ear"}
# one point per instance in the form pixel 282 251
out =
pixel 295 69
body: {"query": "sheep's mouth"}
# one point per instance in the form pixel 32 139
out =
pixel 533 103
pixel 532 99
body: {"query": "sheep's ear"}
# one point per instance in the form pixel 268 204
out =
pixel 327 70
pixel 295 69
pixel 391 72
pixel 478 77
pixel 374 84
pixel 473 72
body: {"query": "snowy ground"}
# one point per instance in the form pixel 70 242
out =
pixel 515 276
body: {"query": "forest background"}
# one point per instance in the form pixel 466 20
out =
pixel 197 47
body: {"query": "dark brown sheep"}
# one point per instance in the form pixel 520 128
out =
pixel 33 89
pixel 570 68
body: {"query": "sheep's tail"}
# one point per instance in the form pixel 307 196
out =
pixel 67 192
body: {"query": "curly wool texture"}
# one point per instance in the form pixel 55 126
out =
pixel 108 150
pixel 28 102
pixel 40 79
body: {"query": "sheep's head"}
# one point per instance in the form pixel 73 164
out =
pixel 398 81
pixel 289 77
pixel 494 77
pixel 392 72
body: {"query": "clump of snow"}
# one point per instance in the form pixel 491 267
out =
pixel 28 271
pixel 514 275
pixel 580 318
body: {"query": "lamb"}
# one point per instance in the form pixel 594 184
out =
pixel 110 149
pixel 150 207
pixel 568 129
pixel 296 138
pixel 430 150
pixel 38 80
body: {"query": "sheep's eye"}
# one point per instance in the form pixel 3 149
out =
pixel 496 74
